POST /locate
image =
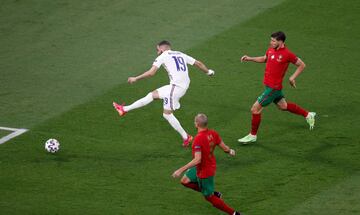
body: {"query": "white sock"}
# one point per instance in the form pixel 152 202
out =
pixel 175 124
pixel 139 103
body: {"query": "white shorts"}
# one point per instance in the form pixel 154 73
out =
pixel 171 95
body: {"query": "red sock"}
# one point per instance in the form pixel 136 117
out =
pixel 294 108
pixel 255 123
pixel 193 186
pixel 219 204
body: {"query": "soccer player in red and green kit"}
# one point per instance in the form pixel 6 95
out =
pixel 277 59
pixel 200 171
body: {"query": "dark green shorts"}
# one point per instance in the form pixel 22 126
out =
pixel 270 95
pixel 206 184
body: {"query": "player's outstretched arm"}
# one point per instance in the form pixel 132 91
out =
pixel 203 68
pixel 149 73
pixel 261 59
pixel 300 67
pixel 195 161
pixel 227 149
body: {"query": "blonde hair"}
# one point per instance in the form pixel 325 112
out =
pixel 201 120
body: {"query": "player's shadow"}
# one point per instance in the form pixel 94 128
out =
pixel 314 156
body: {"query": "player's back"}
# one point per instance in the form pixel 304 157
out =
pixel 206 141
pixel 175 63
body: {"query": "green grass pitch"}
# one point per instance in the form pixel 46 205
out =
pixel 62 63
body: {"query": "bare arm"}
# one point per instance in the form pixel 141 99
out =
pixel 149 73
pixel 203 68
pixel 261 59
pixel 227 149
pixel 300 67
pixel 193 162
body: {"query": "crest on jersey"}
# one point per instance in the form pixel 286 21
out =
pixel 280 57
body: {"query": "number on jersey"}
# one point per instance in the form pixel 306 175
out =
pixel 180 63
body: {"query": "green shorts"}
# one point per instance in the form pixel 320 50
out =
pixel 270 95
pixel 206 184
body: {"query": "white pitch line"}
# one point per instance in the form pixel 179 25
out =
pixel 15 132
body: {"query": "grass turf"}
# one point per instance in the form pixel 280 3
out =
pixel 109 165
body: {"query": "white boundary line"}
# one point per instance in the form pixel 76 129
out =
pixel 15 132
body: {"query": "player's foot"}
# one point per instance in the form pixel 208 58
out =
pixel 187 141
pixel 248 139
pixel 218 194
pixel 310 119
pixel 119 109
pixel 236 213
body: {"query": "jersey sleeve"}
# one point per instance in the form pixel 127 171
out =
pixel 197 145
pixel 292 57
pixel 189 60
pixel 159 61
pixel 217 138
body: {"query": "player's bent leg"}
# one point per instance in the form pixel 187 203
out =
pixel 186 182
pixel 294 108
pixel 169 116
pixel 220 204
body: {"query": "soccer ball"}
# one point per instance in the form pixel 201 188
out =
pixel 52 145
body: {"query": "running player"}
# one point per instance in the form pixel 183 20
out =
pixel 200 171
pixel 175 63
pixel 277 59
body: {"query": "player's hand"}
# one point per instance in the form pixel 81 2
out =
pixel 132 80
pixel 244 58
pixel 177 173
pixel 292 82
pixel 211 72
pixel 232 152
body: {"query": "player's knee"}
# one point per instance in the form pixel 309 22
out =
pixel 150 96
pixel 184 180
pixel 184 183
pixel 166 115
pixel 254 110
pixel 282 107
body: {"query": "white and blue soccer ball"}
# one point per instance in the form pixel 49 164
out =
pixel 52 145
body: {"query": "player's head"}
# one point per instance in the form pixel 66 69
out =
pixel 201 121
pixel 163 46
pixel 277 39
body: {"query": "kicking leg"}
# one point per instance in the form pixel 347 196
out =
pixel 143 101
pixel 221 205
pixel 139 103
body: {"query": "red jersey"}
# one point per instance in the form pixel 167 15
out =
pixel 277 62
pixel 205 142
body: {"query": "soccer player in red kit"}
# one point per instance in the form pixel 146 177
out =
pixel 277 59
pixel 200 171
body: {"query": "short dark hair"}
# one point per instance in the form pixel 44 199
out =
pixel 279 35
pixel 164 42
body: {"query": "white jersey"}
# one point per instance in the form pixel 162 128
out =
pixel 175 63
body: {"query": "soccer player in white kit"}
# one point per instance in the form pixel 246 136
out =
pixel 175 63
